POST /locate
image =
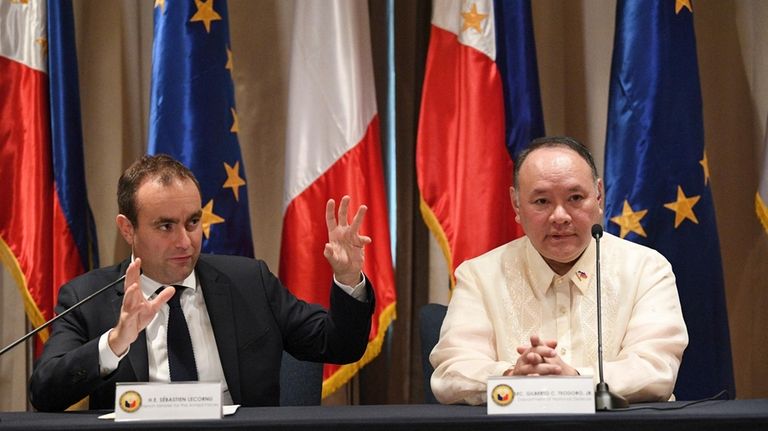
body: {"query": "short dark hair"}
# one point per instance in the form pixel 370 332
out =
pixel 554 141
pixel 161 167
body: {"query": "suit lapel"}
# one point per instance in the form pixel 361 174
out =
pixel 218 300
pixel 137 354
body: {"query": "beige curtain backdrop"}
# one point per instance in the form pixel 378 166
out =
pixel 574 44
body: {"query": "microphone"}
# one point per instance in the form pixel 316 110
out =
pixel 48 323
pixel 604 398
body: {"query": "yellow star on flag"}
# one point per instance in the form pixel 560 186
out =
pixel 209 218
pixel 473 19
pixel 161 4
pixel 230 66
pixel 234 181
pixel 235 122
pixel 680 4
pixel 683 207
pixel 630 221
pixel 43 42
pixel 705 165
pixel 205 13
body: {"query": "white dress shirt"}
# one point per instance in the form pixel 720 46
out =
pixel 200 331
pixel 510 293
pixel 206 353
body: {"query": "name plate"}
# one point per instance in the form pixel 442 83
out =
pixel 540 394
pixel 167 401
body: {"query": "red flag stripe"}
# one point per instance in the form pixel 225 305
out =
pixel 27 184
pixel 35 241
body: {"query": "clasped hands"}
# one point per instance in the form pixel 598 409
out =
pixel 540 359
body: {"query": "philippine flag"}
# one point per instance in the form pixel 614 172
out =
pixel 480 108
pixel 47 233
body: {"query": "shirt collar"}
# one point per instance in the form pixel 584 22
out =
pixel 542 276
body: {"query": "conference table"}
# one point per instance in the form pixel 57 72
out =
pixel 730 415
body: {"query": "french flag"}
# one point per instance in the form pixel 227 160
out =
pixel 334 149
pixel 47 233
pixel 480 108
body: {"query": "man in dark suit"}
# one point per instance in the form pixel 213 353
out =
pixel 239 316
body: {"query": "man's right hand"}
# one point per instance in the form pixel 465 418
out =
pixel 136 311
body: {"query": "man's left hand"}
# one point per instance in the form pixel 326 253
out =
pixel 344 249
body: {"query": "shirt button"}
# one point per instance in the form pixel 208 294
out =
pixel 562 351
pixel 562 310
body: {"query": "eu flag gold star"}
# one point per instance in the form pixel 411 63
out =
pixel 683 207
pixel 473 19
pixel 630 221
pixel 235 122
pixel 205 13
pixel 209 218
pixel 705 165
pixel 680 4
pixel 161 4
pixel 234 181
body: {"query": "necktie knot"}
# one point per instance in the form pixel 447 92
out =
pixel 175 301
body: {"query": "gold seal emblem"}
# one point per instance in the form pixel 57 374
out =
pixel 502 395
pixel 130 401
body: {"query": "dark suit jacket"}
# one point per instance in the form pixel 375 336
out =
pixel 254 319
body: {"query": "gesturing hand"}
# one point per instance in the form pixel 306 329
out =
pixel 136 311
pixel 344 249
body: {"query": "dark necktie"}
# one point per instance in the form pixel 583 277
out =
pixel 181 358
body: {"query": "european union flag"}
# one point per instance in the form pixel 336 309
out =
pixel 193 116
pixel 657 176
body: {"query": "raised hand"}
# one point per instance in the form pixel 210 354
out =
pixel 344 249
pixel 136 311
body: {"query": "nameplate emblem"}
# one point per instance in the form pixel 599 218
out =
pixel 167 401
pixel 540 394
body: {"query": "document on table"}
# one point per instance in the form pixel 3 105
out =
pixel 227 410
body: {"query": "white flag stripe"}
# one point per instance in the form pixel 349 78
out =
pixel 446 14
pixel 23 35
pixel 333 96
